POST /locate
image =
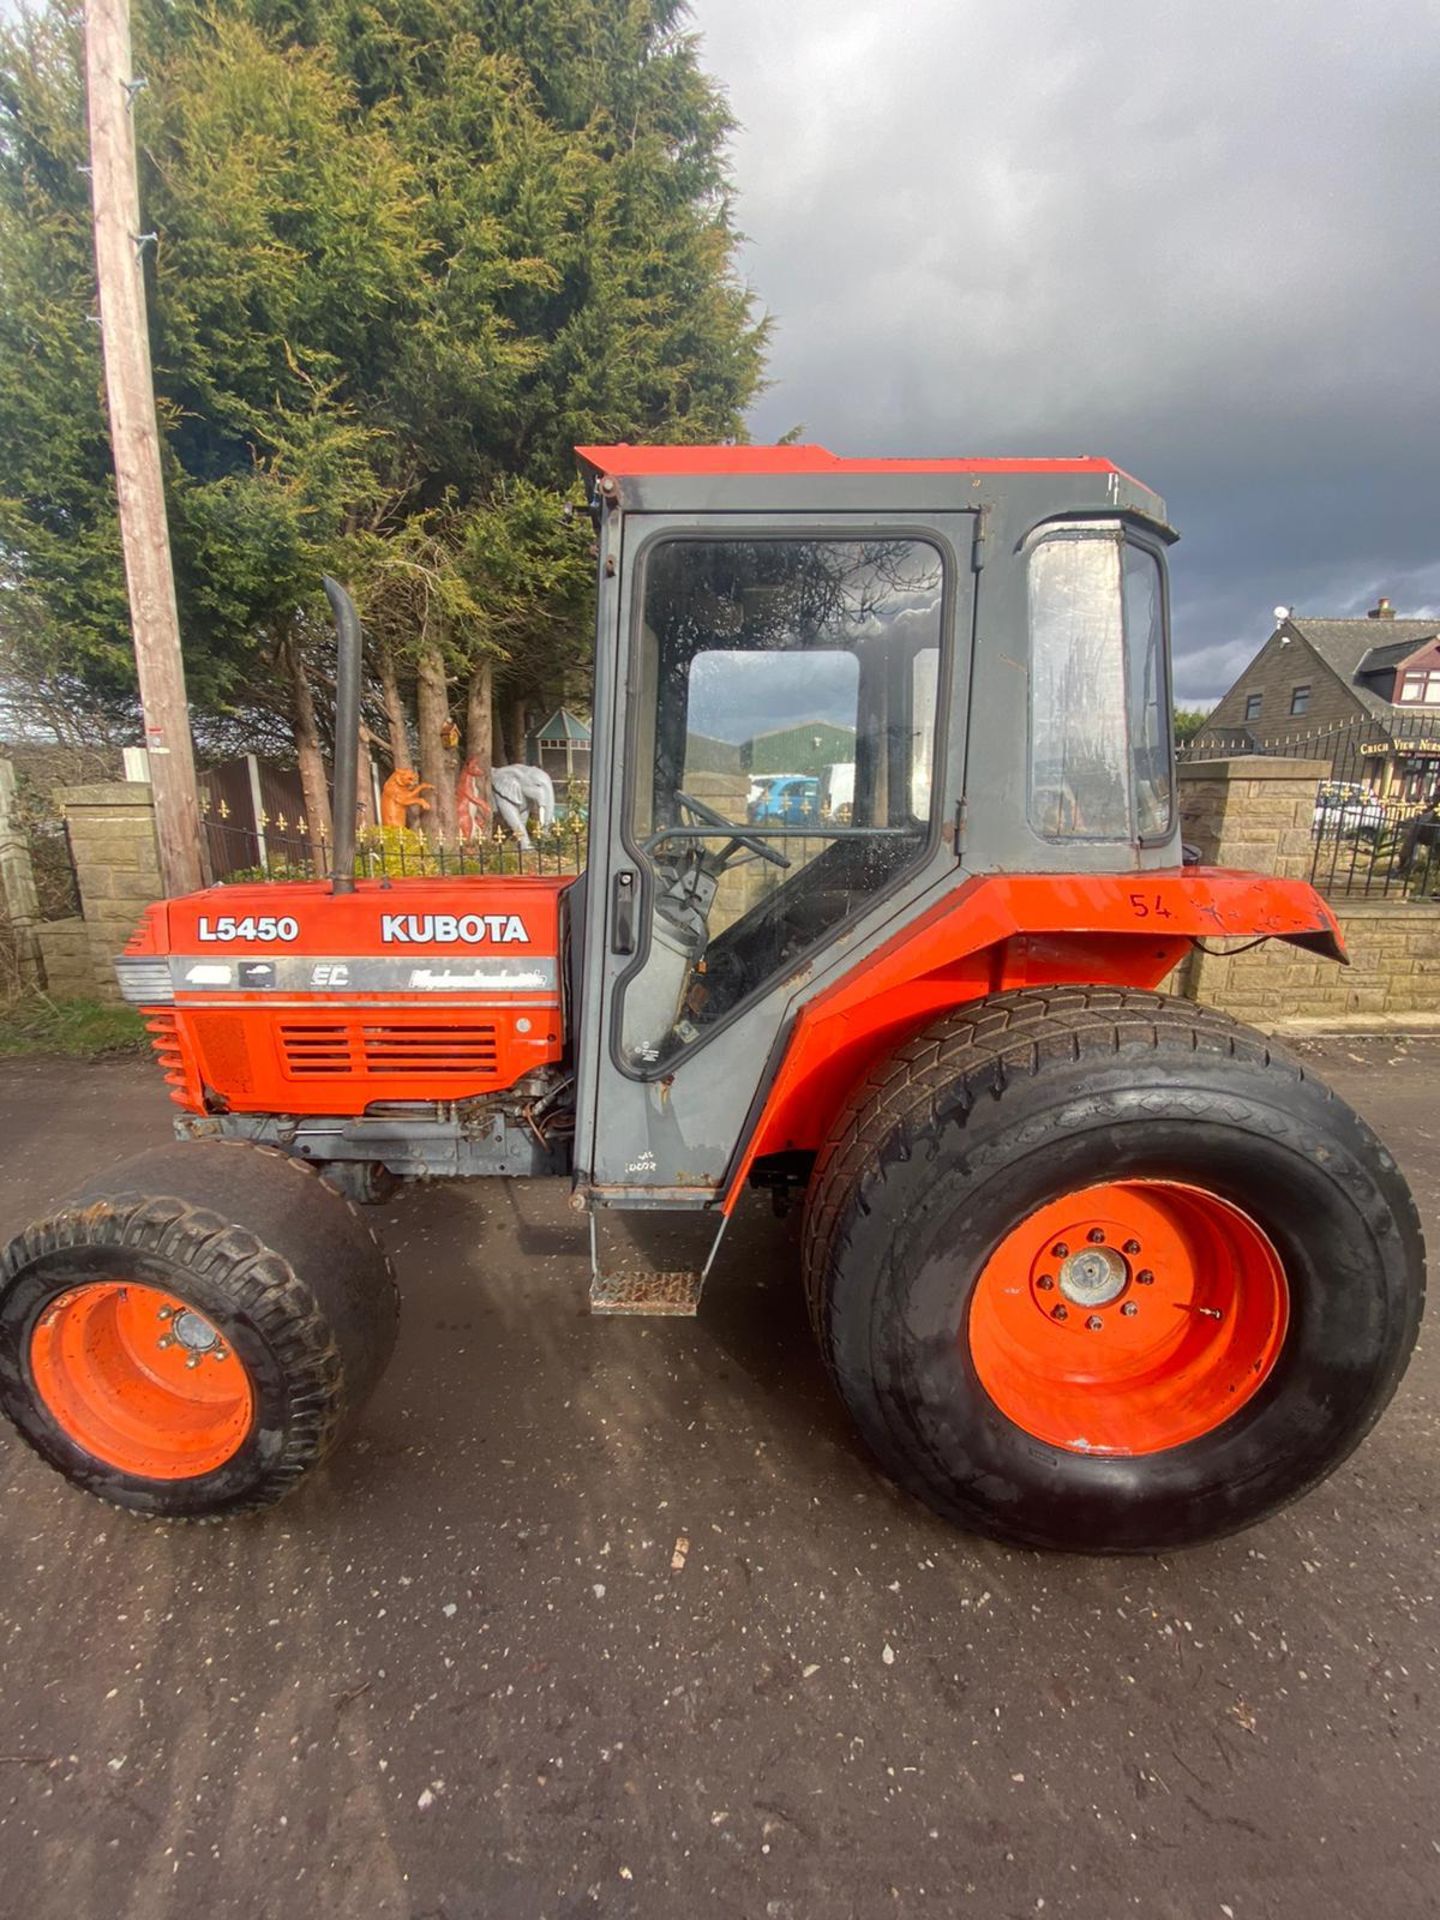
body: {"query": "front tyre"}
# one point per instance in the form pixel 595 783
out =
pixel 192 1334
pixel 1102 1270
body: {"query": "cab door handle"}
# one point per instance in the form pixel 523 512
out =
pixel 622 912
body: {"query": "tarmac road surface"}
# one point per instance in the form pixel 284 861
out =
pixel 599 1617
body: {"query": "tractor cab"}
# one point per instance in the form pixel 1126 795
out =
pixel 979 648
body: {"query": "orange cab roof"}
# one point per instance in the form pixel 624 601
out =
pixel 639 461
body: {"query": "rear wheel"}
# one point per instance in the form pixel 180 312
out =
pixel 177 1363
pixel 1104 1270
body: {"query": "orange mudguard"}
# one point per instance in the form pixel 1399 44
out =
pixel 1001 931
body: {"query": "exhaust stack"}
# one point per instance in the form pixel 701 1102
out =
pixel 347 734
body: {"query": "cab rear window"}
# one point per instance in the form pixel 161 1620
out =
pixel 1100 740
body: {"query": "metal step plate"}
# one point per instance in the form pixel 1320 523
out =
pixel 674 1292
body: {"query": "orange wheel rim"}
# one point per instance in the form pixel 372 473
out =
pixel 140 1380
pixel 1128 1318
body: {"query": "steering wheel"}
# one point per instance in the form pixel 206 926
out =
pixel 751 841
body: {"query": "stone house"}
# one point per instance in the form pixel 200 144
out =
pixel 1364 694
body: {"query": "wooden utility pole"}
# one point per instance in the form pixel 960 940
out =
pixel 135 439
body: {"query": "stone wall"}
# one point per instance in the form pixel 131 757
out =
pixel 20 962
pixel 112 838
pixel 1258 813
pixel 1251 811
pixel 69 966
pixel 1394 973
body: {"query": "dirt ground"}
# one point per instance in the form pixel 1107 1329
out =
pixel 459 1675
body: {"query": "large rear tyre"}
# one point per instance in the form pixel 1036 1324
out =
pixel 191 1334
pixel 1103 1270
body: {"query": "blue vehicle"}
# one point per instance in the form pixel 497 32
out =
pixel 785 799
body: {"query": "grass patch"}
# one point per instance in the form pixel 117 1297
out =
pixel 79 1029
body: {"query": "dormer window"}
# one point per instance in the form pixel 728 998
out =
pixel 1421 689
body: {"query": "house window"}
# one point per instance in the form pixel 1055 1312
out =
pixel 1252 705
pixel 1421 689
pixel 1299 699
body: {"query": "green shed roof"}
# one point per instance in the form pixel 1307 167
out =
pixel 564 725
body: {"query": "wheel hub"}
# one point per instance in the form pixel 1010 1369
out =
pixel 1095 1277
pixel 140 1380
pixel 1128 1317
pixel 195 1334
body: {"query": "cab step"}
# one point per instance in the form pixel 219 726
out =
pixel 675 1292
pixel 651 1262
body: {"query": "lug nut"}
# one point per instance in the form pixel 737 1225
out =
pixel 1046 1282
pixel 1094 1323
pixel 166 1313
pixel 1129 1309
pixel 165 1340
pixel 1061 1312
pixel 1145 1278
pixel 192 1360
pixel 1060 1250
pixel 1096 1236
pixel 1132 1246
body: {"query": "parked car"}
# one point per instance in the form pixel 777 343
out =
pixel 785 800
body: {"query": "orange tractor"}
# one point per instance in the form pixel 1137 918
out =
pixel 1091 1266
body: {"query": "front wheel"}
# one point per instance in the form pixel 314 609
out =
pixel 1102 1270
pixel 191 1335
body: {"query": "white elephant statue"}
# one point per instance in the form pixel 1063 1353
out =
pixel 520 791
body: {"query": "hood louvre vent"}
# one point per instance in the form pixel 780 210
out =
pixel 370 1050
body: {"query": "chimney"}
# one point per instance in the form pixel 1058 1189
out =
pixel 1382 610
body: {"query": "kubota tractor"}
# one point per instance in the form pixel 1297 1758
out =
pixel 1091 1266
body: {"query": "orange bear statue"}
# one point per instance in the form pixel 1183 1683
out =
pixel 403 790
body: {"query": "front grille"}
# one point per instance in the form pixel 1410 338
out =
pixel 316 1049
pixel 311 1049
pixel 467 1050
pixel 144 980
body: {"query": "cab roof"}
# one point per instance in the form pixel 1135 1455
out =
pixel 1022 490
pixel 625 461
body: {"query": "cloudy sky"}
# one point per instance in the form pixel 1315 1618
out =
pixel 1202 239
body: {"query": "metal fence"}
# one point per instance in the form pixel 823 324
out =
pixel 283 852
pixel 1397 757
pixel 1373 848
pixel 1376 828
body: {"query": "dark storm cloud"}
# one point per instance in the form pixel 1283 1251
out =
pixel 1200 239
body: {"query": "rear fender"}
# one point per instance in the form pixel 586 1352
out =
pixel 1002 931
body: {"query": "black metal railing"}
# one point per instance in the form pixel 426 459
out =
pixel 1399 750
pixel 241 855
pixel 1371 848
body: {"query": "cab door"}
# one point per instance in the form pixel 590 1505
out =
pixel 817 659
